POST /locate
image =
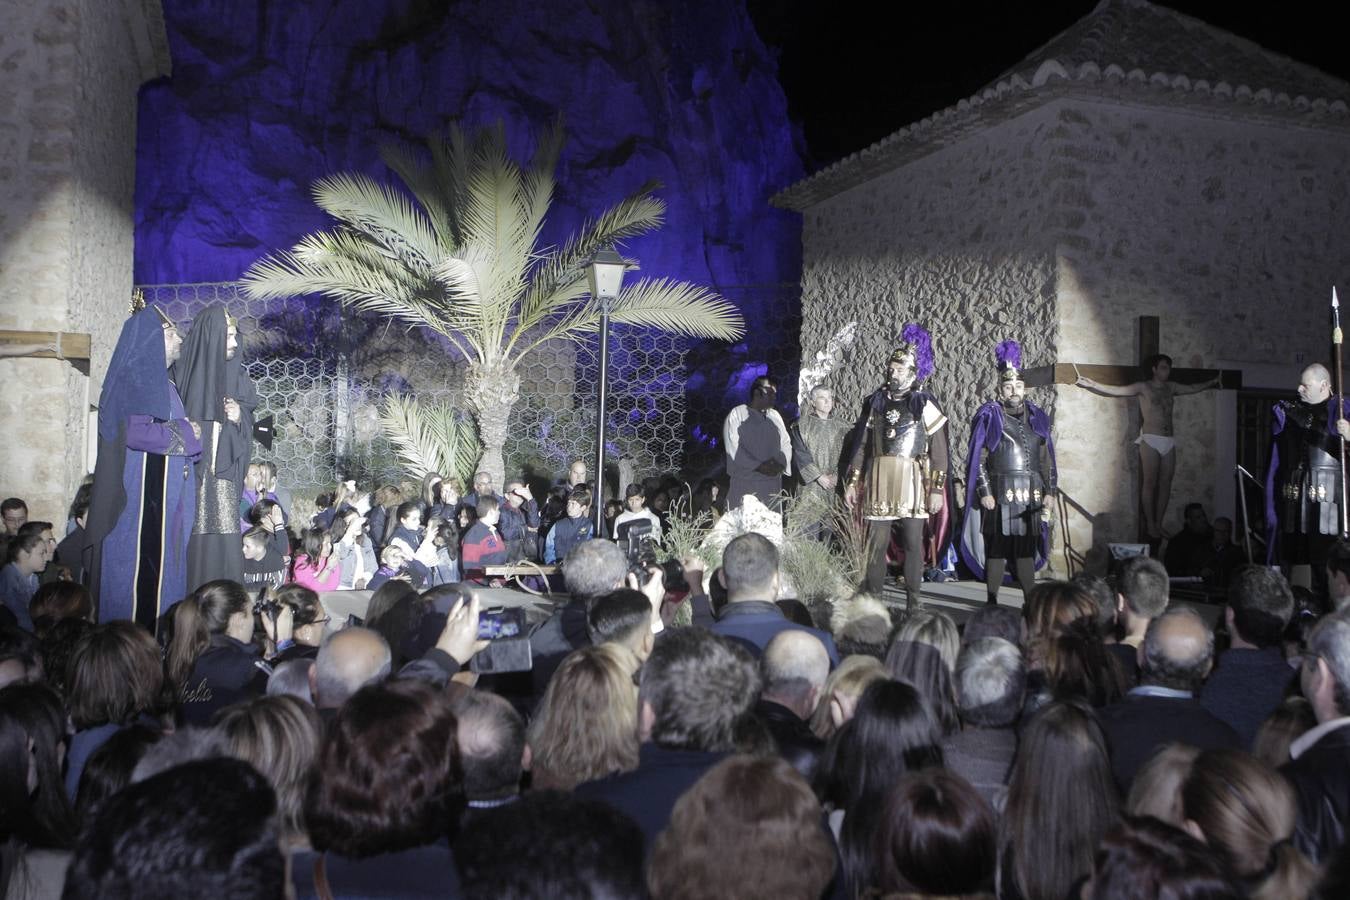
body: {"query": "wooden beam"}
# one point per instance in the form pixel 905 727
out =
pixel 1148 338
pixel 74 345
pixel 1067 373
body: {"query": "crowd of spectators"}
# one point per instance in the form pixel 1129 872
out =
pixel 1104 741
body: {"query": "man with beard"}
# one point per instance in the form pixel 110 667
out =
pixel 217 394
pixel 759 450
pixel 1303 483
pixel 1011 473
pixel 900 443
pixel 142 505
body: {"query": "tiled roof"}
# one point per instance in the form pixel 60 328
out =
pixel 1121 47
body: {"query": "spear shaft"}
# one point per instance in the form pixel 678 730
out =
pixel 1336 340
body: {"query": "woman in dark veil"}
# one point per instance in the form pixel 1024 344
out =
pixel 216 392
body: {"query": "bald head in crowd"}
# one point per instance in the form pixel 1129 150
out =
pixel 347 662
pixel 795 666
pixel 1178 650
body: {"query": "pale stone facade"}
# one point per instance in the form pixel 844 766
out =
pixel 71 71
pixel 1059 207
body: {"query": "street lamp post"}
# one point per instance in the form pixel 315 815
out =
pixel 605 276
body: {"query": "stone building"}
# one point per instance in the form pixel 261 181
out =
pixel 1141 163
pixel 70 71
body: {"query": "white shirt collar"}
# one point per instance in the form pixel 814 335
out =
pixel 1301 746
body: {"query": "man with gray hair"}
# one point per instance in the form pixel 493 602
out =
pixel 991 680
pixel 1175 658
pixel 694 704
pixel 492 749
pixel 348 661
pixel 591 570
pixel 794 667
pixel 1320 760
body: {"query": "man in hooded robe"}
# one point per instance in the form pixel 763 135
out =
pixel 218 394
pixel 143 502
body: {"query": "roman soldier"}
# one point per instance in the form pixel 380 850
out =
pixel 898 456
pixel 1010 481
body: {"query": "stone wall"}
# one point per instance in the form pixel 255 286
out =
pixel 1231 233
pixel 1060 228
pixel 956 241
pixel 67 168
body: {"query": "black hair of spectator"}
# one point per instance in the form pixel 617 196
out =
pixel 1262 604
pixel 261 510
pixel 109 768
pixel 57 644
pixel 554 845
pixel 33 526
pixel 203 829
pixel 32 727
pixel 407 508
pixel 937 836
pixel 23 543
pixel 389 776
pixel 1338 559
pixel 582 495
pixel 1145 857
pixel 19 646
pixel 1102 594
pixel 618 615
pixel 993 621
pixel 796 612
pixel 10 503
pixel 486 504
pixel 398 618
pixel 303 601
pixel 80 504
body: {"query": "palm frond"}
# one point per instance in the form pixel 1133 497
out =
pixel 430 437
pixel 413 166
pixel 538 183
pixel 561 276
pixel 384 214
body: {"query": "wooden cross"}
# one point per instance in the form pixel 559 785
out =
pixel 1068 372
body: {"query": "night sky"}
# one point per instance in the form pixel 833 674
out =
pixel 854 74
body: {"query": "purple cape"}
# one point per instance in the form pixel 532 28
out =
pixel 1272 519
pixel 986 432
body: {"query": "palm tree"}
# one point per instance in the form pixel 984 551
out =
pixel 457 252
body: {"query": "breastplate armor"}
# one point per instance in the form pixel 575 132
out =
pixel 1310 488
pixel 898 433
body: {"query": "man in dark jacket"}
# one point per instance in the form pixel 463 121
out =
pixel 1252 677
pixel 696 692
pixel 795 666
pixel 1320 766
pixel 1176 655
pixel 750 571
pixel 590 571
pixel 991 681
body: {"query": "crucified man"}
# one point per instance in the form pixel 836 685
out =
pixel 1157 443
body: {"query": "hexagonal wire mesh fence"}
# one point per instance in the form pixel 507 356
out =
pixel 314 372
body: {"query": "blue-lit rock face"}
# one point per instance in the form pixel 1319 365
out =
pixel 266 97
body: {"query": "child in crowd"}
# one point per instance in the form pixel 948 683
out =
pixel 263 565
pixel 267 515
pixel 573 529
pixel 483 545
pixel 409 528
pixel 352 546
pixel 316 566
pixel 636 500
pixel 393 567
pixel 249 496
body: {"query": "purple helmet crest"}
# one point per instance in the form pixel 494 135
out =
pixel 1008 355
pixel 915 339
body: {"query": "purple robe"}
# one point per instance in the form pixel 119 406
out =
pixel 986 431
pixel 1272 517
pixel 144 559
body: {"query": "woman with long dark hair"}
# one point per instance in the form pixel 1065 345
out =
pixel 317 567
pixel 212 660
pixel 1061 801
pixel 37 823
pixel 892 732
